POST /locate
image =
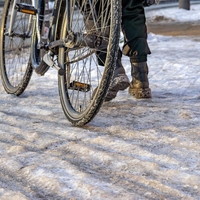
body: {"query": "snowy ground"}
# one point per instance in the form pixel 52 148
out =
pixel 132 150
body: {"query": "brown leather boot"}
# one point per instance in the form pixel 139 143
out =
pixel 139 86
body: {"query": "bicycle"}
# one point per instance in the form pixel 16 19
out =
pixel 78 38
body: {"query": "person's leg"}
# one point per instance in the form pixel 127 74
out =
pixel 120 80
pixel 135 46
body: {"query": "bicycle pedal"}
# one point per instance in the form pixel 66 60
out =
pixel 83 87
pixel 26 8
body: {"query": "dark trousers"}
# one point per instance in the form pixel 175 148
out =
pixel 134 30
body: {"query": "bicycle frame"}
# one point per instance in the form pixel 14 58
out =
pixel 44 38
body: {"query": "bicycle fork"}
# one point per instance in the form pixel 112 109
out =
pixel 13 16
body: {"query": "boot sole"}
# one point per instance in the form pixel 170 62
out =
pixel 119 83
pixel 140 93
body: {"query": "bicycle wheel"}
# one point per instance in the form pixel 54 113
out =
pixel 15 45
pixel 88 69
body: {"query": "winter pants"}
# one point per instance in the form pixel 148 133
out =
pixel 134 30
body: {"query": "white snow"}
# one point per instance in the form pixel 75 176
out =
pixel 132 150
pixel 174 14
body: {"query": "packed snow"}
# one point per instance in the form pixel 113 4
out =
pixel 132 150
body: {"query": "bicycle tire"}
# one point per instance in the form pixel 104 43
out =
pixel 16 70
pixel 79 104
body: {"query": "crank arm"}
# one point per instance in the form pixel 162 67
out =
pixel 47 58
